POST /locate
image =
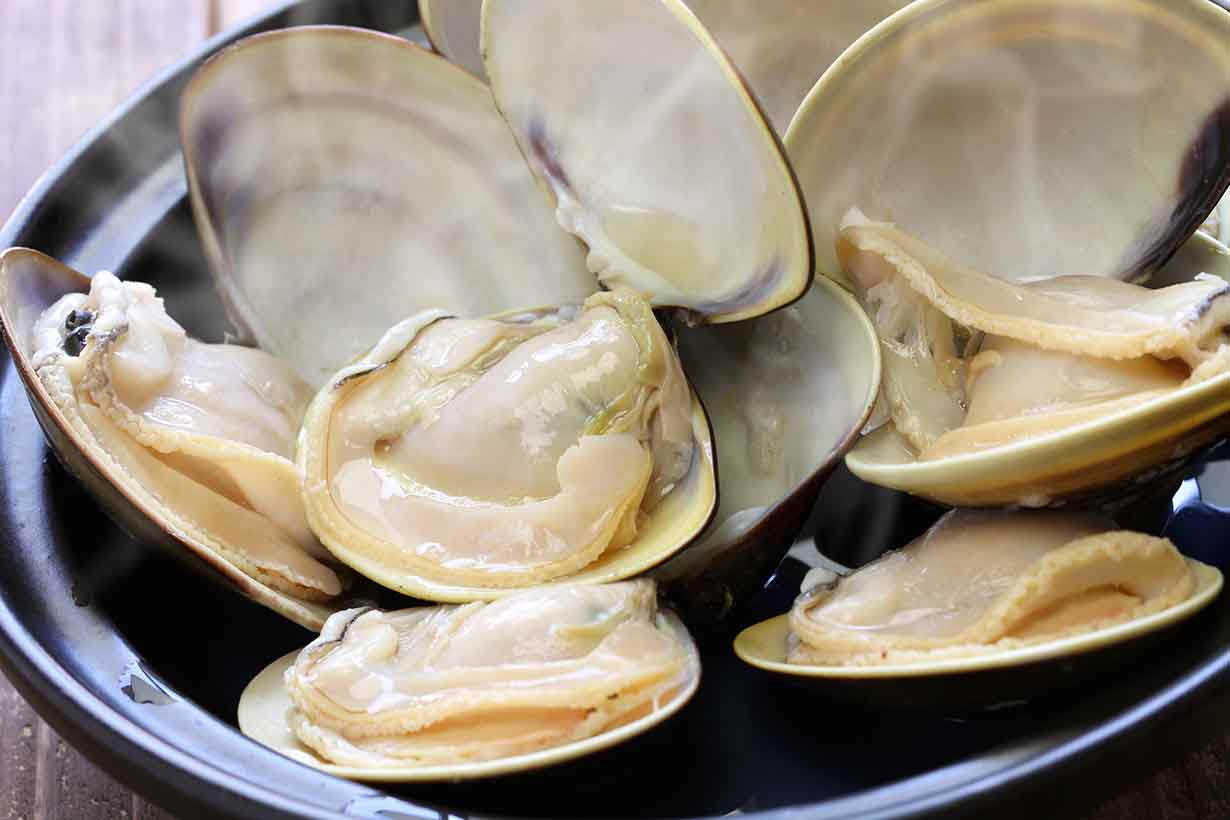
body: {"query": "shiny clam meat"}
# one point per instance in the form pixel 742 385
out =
pixel 983 582
pixel 982 368
pixel 448 692
pixel 462 456
pixel 196 438
pixel 985 590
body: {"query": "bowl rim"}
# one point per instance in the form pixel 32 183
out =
pixel 134 752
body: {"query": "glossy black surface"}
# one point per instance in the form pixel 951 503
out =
pixel 140 662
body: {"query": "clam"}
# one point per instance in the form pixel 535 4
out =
pixel 455 692
pixel 982 591
pixel 780 46
pixel 183 442
pixel 709 231
pixel 1065 389
pixel 1020 176
pixel 464 458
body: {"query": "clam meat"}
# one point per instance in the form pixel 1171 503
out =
pixel 1051 353
pixel 981 582
pixel 448 685
pixel 204 432
pixel 498 453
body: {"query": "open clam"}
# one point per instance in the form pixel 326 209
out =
pixel 967 189
pixel 1073 389
pixel 714 229
pixel 984 594
pixel 183 443
pixel 457 692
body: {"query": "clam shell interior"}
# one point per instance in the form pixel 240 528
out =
pixel 666 529
pixel 777 45
pixel 764 645
pixel 659 158
pixel 321 158
pixel 1029 138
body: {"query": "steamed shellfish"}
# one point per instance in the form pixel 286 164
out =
pixel 455 691
pixel 984 582
pixel 484 454
pixel 198 436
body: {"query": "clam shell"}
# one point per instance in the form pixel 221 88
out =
pixel 1111 459
pixel 665 530
pixel 30 282
pixel 787 396
pixel 980 680
pixel 325 155
pixel 659 158
pixel 780 46
pixel 1026 138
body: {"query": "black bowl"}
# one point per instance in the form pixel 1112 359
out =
pixel 139 662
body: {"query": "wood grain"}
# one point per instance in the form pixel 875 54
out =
pixel 63 65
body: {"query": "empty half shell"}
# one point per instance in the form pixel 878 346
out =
pixel 453 692
pixel 787 395
pixel 339 179
pixel 1061 389
pixel 464 458
pixel 183 442
pixel 660 160
pixel 1029 139
pixel 985 588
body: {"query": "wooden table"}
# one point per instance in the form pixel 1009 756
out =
pixel 63 65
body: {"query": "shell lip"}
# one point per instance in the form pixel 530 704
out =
pixel 267 687
pixel 1055 449
pixel 763 645
pixel 48 411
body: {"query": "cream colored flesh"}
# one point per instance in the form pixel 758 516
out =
pixel 500 453
pixel 1071 350
pixel 207 430
pixel 660 163
pixel 982 582
pixel 1090 316
pixel 464 684
pixel 1017 392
